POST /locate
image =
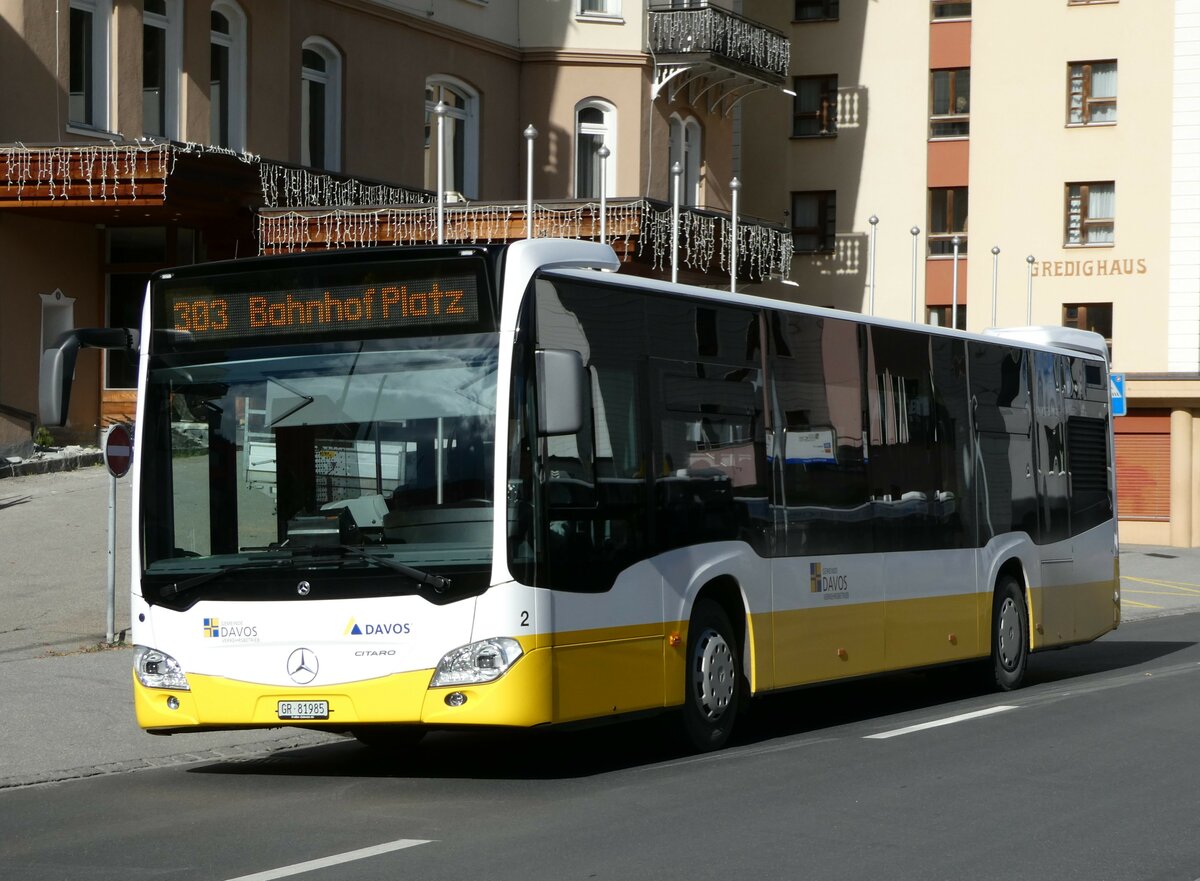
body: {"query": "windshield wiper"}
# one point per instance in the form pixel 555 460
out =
pixel 179 587
pixel 439 583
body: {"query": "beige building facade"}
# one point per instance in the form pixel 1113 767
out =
pixel 139 134
pixel 1054 144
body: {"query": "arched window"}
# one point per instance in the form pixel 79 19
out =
pixel 460 137
pixel 687 150
pixel 595 125
pixel 227 75
pixel 162 67
pixel 320 105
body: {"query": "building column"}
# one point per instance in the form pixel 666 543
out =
pixel 1195 487
pixel 1181 478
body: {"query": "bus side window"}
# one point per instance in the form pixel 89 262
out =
pixel 593 484
pixel 1000 393
pixel 917 397
pixel 819 446
pixel 709 464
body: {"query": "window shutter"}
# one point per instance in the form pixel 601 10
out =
pixel 1143 476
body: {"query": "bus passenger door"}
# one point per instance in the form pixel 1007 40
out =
pixel 1053 603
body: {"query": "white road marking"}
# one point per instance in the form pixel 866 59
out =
pixel 937 723
pixel 335 860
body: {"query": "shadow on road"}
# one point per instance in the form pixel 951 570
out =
pixel 577 753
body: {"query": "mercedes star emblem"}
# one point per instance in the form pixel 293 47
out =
pixel 302 666
pixel 303 588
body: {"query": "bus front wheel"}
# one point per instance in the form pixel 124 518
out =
pixel 713 678
pixel 1010 635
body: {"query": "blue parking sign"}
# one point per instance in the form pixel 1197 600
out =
pixel 1116 392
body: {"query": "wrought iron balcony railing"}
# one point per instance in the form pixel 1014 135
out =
pixel 721 37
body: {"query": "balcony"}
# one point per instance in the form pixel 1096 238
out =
pixel 714 56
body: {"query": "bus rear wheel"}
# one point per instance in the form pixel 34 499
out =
pixel 1010 635
pixel 712 680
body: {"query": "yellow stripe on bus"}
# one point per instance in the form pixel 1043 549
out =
pixel 608 671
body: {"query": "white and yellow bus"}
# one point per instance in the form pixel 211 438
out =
pixel 389 490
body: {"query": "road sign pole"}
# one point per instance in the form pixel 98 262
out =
pixel 118 455
pixel 112 558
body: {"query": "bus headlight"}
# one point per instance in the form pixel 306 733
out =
pixel 481 661
pixel 157 669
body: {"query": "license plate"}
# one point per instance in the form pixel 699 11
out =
pixel 303 709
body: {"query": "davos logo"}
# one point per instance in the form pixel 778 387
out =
pixel 230 631
pixel 397 628
pixel 828 581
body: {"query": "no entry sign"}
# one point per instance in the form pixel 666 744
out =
pixel 118 450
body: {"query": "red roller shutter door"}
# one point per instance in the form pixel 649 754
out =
pixel 1144 476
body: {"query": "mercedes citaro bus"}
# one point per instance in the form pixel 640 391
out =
pixel 388 490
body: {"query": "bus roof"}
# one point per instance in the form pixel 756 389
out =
pixel 1062 339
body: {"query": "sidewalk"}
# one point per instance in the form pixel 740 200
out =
pixel 68 700
pixel 1158 581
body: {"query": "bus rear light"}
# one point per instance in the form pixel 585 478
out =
pixel 157 669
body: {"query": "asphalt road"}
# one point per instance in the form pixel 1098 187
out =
pixel 1089 772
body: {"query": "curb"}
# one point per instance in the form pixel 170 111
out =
pixel 65 462
pixel 225 754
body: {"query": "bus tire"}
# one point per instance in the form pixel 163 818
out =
pixel 389 737
pixel 1010 635
pixel 712 680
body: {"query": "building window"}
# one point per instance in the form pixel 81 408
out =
pixel 595 126
pixel 951 9
pixel 950 103
pixel 814 109
pixel 947 219
pixel 227 75
pixel 600 7
pixel 1091 92
pixel 816 10
pixel 814 221
pixel 87 99
pixel 162 66
pixel 1089 2
pixel 1091 213
pixel 460 137
pixel 320 105
pixel 687 150
pixel 1096 317
pixel 939 316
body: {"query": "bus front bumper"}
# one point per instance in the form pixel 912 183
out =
pixel 522 697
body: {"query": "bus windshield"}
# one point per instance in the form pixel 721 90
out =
pixel 383 446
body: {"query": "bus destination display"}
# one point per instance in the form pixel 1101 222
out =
pixel 447 300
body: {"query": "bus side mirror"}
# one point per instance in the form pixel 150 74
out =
pixel 562 382
pixel 58 366
pixel 54 382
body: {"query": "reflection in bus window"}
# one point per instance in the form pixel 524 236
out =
pixel 818 384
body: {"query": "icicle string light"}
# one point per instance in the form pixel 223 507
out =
pixel 113 172
pixel 286 187
pixel 704 238
pixel 102 170
pixel 713 30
